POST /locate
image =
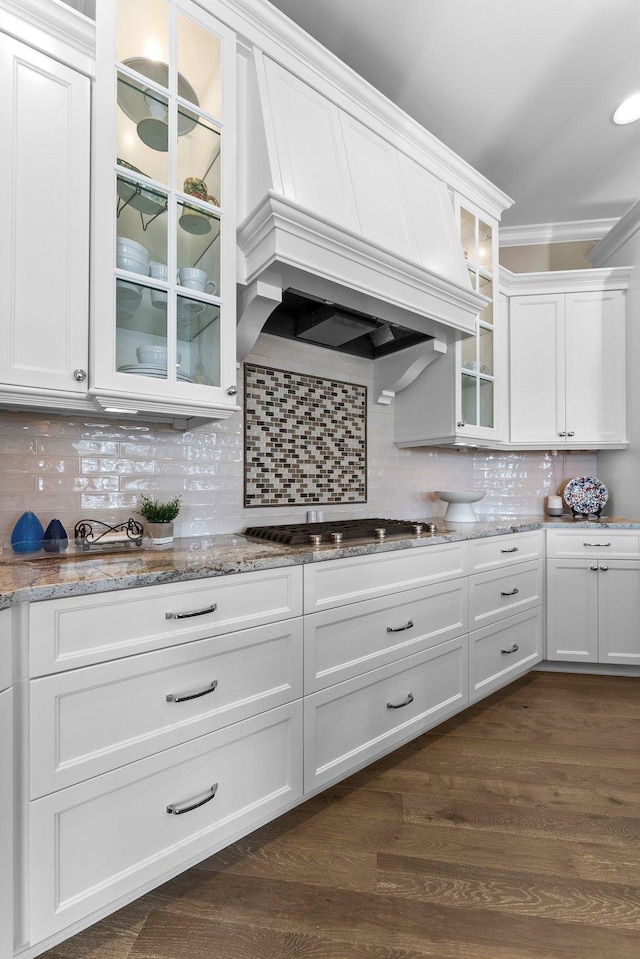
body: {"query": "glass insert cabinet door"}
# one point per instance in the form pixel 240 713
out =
pixel 165 201
pixel 478 353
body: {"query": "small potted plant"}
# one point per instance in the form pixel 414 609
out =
pixel 159 517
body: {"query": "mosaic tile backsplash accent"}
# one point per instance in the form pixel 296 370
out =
pixel 305 439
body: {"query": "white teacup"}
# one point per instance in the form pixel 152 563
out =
pixel 194 279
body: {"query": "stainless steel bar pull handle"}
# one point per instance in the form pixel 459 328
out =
pixel 513 592
pixel 178 808
pixel 514 649
pixel 400 629
pixel 408 700
pixel 196 612
pixel 596 544
pixel 512 549
pixel 196 694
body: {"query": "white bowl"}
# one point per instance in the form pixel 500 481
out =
pixel 154 355
pixel 459 509
pixel 131 247
pixel 132 264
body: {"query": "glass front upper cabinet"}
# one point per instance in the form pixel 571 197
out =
pixel 172 241
pixel 478 354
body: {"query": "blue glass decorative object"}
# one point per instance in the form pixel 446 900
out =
pixel 27 534
pixel 55 539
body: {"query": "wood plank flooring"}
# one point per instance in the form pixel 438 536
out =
pixel 510 832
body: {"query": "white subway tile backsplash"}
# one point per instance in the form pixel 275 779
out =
pixel 73 468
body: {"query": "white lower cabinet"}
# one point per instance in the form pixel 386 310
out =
pixel 6 823
pixel 500 653
pixel 593 596
pixel 593 611
pixel 349 724
pixel 166 721
pixel 95 842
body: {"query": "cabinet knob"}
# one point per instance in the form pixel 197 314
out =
pixel 562 434
pixel 461 423
pixel 571 433
pixel 232 390
pixel 79 375
pixel 604 568
pixel 595 569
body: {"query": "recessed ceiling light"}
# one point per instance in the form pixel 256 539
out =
pixel 629 110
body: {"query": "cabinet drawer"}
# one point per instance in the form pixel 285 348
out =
pixel 496 594
pixel 346 641
pixel 6 824
pixel 6 677
pixel 593 542
pixel 102 839
pixel 341 581
pixel 492 552
pixel 348 725
pixel 499 654
pixel 66 633
pixel 87 721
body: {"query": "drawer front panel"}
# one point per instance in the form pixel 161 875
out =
pixel 496 594
pixel 102 839
pixel 5 649
pixel 88 721
pixel 6 825
pixel 341 581
pixel 348 725
pixel 67 633
pixel 346 641
pixel 591 543
pixel 492 552
pixel 499 654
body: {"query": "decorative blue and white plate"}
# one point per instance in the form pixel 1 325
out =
pixel 586 495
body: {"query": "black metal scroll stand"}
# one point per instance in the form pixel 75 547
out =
pixel 578 515
pixel 138 191
pixel 93 534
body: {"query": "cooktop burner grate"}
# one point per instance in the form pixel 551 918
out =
pixel 299 534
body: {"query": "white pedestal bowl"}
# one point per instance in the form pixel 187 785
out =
pixel 459 509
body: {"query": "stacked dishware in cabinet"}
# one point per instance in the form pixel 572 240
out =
pixel 165 722
pixel 505 609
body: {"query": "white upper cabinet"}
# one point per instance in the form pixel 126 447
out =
pixel 44 229
pixel 567 369
pixel 164 239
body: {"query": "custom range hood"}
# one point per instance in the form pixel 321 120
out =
pixel 346 241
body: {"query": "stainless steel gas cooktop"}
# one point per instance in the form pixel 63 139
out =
pixel 338 531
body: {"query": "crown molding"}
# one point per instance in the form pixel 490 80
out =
pixel 48 24
pixel 622 231
pixel 533 234
pixel 564 281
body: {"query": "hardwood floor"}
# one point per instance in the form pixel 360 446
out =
pixel 509 832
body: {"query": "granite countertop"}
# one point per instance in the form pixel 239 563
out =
pixel 31 577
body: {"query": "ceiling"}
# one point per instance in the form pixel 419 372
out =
pixel 522 91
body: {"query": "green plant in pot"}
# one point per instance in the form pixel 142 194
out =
pixel 159 517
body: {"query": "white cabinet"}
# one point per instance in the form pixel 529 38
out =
pixel 163 324
pixel 351 723
pixel 6 787
pixel 593 603
pixel 505 609
pixel 460 399
pixel 567 370
pixel 100 840
pixel 44 229
pixel 164 722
